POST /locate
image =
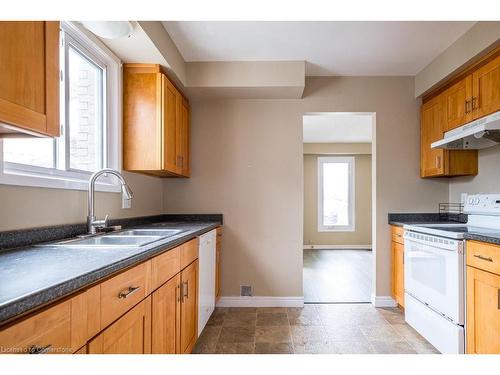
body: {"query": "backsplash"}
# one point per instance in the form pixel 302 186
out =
pixel 487 181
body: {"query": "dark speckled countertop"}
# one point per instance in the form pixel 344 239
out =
pixel 477 234
pixel 34 276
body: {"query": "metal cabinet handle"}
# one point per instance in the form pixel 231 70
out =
pixel 127 293
pixel 185 289
pixel 474 102
pixel 36 349
pixel 438 161
pixel 467 110
pixel 488 259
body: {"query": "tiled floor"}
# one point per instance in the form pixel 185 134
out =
pixel 337 275
pixel 334 329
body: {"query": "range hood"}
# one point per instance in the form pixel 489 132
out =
pixel 478 134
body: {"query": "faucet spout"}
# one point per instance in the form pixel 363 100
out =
pixel 92 222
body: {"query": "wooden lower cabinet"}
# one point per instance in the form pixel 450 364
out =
pixel 166 318
pixel 483 312
pixel 131 334
pixel 398 291
pixel 189 307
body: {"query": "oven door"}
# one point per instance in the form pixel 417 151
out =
pixel 434 274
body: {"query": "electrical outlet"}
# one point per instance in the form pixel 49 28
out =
pixel 245 290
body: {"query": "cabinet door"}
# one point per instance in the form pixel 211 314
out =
pixel 29 76
pixel 432 160
pixel 166 318
pixel 131 334
pixel 189 307
pixel 457 104
pixel 486 89
pixel 483 312
pixel 170 120
pixel 398 272
pixel 183 138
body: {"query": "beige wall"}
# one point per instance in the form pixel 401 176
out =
pixel 338 148
pixel 487 180
pixel 25 207
pixel 362 235
pixel 247 163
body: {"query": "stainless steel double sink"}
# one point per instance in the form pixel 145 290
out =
pixel 126 238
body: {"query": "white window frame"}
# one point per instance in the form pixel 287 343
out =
pixel 352 188
pixel 27 175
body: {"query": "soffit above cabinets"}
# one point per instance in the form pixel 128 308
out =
pixel 330 48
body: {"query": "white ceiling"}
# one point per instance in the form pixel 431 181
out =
pixel 329 48
pixel 337 128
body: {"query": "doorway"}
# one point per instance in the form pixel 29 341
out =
pixel 338 261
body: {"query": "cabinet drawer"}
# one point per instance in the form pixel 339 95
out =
pixel 483 256
pixel 165 266
pixel 397 234
pixel 46 332
pixel 123 291
pixel 189 252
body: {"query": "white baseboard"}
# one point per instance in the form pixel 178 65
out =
pixel 383 301
pixel 259 301
pixel 338 247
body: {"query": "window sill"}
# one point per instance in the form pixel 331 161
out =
pixel 67 181
pixel 337 229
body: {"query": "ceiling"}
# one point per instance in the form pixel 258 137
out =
pixel 348 48
pixel 337 128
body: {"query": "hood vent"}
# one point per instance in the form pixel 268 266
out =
pixel 475 135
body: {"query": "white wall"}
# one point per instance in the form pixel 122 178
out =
pixel 247 163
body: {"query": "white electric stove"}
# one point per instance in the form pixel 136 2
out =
pixel 434 266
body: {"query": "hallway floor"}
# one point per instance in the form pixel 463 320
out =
pixel 337 275
pixel 333 329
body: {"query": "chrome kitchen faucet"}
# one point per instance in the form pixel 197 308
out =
pixel 127 195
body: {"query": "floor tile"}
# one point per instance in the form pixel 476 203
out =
pixel 237 334
pixel 304 319
pixel 352 347
pixel 408 333
pixel 237 310
pixel 423 347
pixel 344 333
pixel 388 347
pixel 272 319
pixel 304 334
pixel 273 334
pixel 381 332
pixel 271 310
pixel 273 348
pixel 240 320
pixel 393 315
pixel 314 347
pixel 216 319
pixel 235 348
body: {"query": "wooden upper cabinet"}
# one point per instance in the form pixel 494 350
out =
pixel 457 104
pixel 486 89
pixel 183 138
pixel 29 78
pixel 155 123
pixel 439 162
pixel 432 160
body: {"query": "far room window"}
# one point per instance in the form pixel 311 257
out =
pixel 335 194
pixel 88 141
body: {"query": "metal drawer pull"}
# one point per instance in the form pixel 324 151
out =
pixel 488 259
pixel 185 291
pixel 127 293
pixel 36 349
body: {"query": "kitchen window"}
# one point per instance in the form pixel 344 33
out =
pixel 335 194
pixel 89 108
